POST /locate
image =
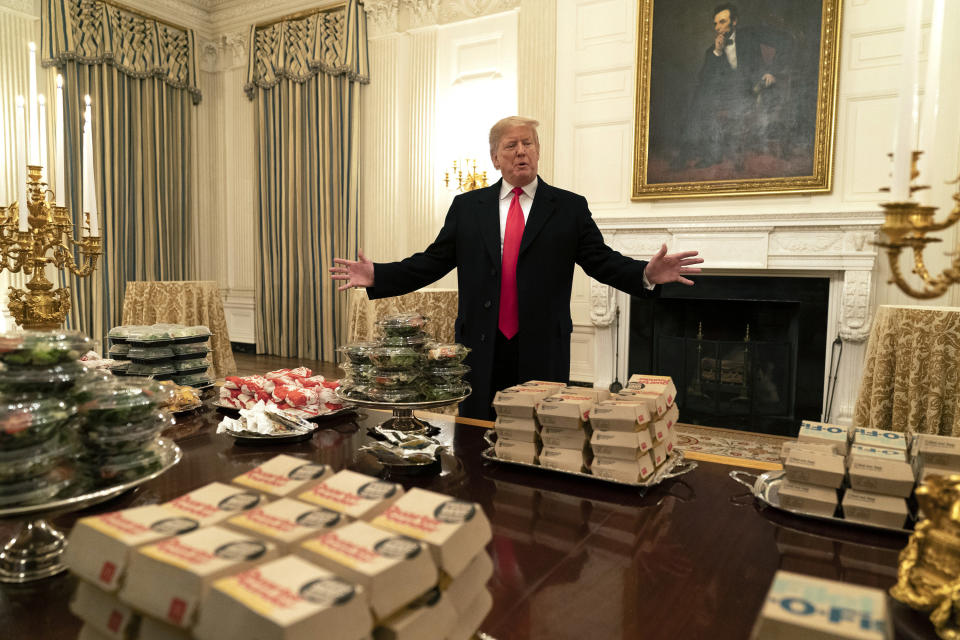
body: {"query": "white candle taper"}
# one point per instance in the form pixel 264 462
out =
pixel 931 92
pixel 59 176
pixel 22 162
pixel 89 185
pixel 34 139
pixel 42 139
pixel 907 112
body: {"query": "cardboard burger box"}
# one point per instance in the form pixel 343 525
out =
pixel 632 471
pixel 621 445
pixel 875 509
pixel 284 475
pixel 393 569
pixel 876 475
pixel 935 470
pixel 597 394
pixel 102 612
pixel 656 403
pixel 564 411
pixel 824 469
pixel 429 617
pixel 89 632
pixel 518 429
pixel 455 530
pixel 357 495
pixel 809 498
pixel 834 435
pixel 469 623
pixel 516 451
pixel 661 452
pixel 661 429
pixel 563 438
pixel 520 401
pixel 562 459
pixel 800 607
pixel 791 445
pixel 287 522
pixel 100 546
pixel 168 580
pixel 216 502
pixel 868 451
pixel 464 588
pixel 286 599
pixel 942 451
pixel 152 629
pixel 880 438
pixel 620 415
pixel 547 384
pixel 654 384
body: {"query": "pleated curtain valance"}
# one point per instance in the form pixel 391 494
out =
pixel 332 42
pixel 95 32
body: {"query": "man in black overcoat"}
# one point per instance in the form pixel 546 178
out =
pixel 557 233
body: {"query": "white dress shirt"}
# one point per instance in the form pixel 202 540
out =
pixel 730 49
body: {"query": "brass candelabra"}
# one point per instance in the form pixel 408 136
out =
pixel 905 226
pixel 466 182
pixel 48 240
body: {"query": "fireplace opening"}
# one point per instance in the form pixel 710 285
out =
pixel 744 352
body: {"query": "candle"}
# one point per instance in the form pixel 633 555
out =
pixel 931 90
pixel 22 162
pixel 34 136
pixel 89 186
pixel 42 128
pixel 907 111
pixel 59 173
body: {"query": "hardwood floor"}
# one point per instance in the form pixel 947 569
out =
pixel 249 364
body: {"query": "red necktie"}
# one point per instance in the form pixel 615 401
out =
pixel 509 319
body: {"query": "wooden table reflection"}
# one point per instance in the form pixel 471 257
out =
pixel 692 558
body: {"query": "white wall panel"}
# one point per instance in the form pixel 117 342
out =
pixel 603 85
pixel 602 22
pixel 600 173
pixel 862 175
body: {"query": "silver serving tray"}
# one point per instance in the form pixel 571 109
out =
pixel 676 465
pixel 387 406
pixel 170 455
pixel 766 488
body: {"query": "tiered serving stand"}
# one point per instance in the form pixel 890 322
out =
pixel 403 418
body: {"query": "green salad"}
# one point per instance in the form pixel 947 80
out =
pixel 42 348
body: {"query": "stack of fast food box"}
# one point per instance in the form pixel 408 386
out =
pixel 622 437
pixel 869 473
pixel 288 550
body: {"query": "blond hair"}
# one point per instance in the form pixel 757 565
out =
pixel 497 130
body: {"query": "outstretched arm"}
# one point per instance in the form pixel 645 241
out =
pixel 357 273
pixel 664 268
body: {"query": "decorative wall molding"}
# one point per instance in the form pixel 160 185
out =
pixel 391 16
pixel 24 7
pixel 228 51
pixel 603 305
pixel 381 17
pixel 855 306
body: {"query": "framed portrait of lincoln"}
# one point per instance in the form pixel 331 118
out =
pixel 735 98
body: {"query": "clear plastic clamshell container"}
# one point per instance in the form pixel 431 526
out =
pixel 148 355
pixel 29 462
pixel 118 469
pixel 402 324
pixel 196 365
pixel 189 351
pixel 396 394
pixel 160 370
pixel 445 391
pixel 120 401
pixel 415 341
pixel 445 355
pixel 52 379
pixel 356 352
pixel 196 380
pixel 120 335
pixel 27 421
pixel 42 348
pixel 385 378
pixel 119 351
pixel 128 438
pixel 190 335
pixel 396 358
pixel 152 336
pixel 38 488
pixel 359 373
pixel 446 375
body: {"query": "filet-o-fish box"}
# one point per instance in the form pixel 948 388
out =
pixel 455 530
pixel 833 435
pixel 287 522
pixel 286 599
pixel 355 494
pixel 100 546
pixel 662 385
pixel 216 502
pixel 168 580
pixel 284 475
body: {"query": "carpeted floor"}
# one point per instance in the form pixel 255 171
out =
pixel 730 446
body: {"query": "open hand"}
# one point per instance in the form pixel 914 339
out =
pixel 664 268
pixel 358 273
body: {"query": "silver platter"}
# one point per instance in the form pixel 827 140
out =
pixel 387 406
pixel 766 488
pixel 676 465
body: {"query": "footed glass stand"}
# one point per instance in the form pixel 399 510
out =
pixel 403 418
pixel 36 550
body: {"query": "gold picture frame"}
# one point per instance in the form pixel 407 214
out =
pixel 760 122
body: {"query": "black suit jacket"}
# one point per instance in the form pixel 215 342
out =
pixel 559 233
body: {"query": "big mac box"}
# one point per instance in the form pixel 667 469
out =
pixel 455 530
pixel 661 428
pixel 824 469
pixel 833 435
pixel 876 475
pixel 516 451
pixel 661 451
pixel 597 394
pixel 632 471
pixel 880 438
pixel 287 522
pixel 518 429
pixel 168 580
pixel 355 494
pixel 393 569
pixel 872 508
pixel 655 403
pixel 564 411
pixel 100 546
pixel 809 498
pixel 620 415
pixel 520 401
pixel 286 599
pixel 800 607
pixel 622 445
pixel 284 475
pixel 102 611
pixel 942 451
pixel 654 384
pixel 464 588
pixel 216 502
pixel 562 459
pixel 429 617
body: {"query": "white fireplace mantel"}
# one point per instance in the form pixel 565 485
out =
pixel 837 246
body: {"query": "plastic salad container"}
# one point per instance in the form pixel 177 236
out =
pixel 196 365
pixel 445 391
pixel 42 348
pixel 386 378
pixel 36 489
pixel 122 401
pixel 27 421
pixel 397 394
pixel 148 355
pixel 199 380
pixel 154 370
pixel 122 468
pixel 29 462
pixel 357 352
pixel 359 373
pixel 126 439
pixel 445 355
pixel 396 358
pixel 190 335
pixel 53 379
pixel 402 324
pixel 416 341
pixel 191 350
pixel 446 375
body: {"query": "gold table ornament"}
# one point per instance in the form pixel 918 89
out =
pixel 928 578
pixel 49 240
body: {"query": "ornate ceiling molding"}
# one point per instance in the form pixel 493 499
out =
pixel 385 17
pixel 228 51
pixel 23 7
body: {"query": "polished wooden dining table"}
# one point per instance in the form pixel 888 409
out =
pixel 690 558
